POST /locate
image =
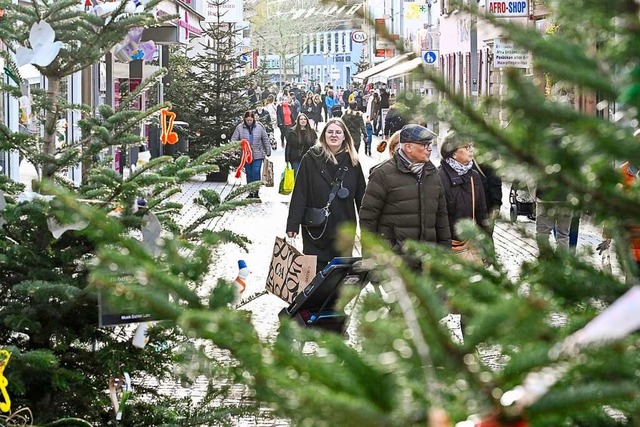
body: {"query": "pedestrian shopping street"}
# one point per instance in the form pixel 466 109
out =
pixel 265 220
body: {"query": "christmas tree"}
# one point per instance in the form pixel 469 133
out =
pixel 363 63
pixel 207 86
pixel 528 354
pixel 524 357
pixel 60 364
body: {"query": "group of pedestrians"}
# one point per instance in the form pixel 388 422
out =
pixel 297 113
pixel 406 198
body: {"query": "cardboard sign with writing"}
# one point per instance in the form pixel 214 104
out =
pixel 290 271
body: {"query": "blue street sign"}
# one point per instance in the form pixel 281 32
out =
pixel 430 56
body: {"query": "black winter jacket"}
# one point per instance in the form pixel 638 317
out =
pixel 459 200
pixel 297 146
pixel 393 122
pixel 398 205
pixel 354 122
pixel 313 185
pixel 492 184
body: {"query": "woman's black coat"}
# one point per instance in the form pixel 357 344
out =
pixel 317 113
pixel 457 190
pixel 313 184
pixel 298 145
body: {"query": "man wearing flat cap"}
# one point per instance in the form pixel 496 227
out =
pixel 404 199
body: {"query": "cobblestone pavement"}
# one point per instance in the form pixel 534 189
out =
pixel 262 222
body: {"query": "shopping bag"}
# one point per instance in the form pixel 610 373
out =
pixel 267 173
pixel 290 271
pixel 287 180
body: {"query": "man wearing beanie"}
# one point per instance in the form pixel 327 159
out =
pixel 404 199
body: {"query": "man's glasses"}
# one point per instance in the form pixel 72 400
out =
pixel 427 146
pixel 468 147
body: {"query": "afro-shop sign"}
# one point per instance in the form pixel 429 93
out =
pixel 508 9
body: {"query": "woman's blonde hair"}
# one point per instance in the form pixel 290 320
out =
pixel 393 143
pixel 347 144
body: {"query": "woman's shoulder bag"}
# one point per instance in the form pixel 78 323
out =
pixel 318 217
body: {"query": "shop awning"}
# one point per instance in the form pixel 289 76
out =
pixel 398 70
pixel 363 75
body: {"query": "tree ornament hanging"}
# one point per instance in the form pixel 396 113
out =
pixel 247 156
pixel 44 49
pixel 167 135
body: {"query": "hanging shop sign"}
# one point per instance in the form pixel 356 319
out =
pixel 230 11
pixel 508 9
pixel 359 36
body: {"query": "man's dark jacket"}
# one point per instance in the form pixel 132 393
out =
pixel 398 205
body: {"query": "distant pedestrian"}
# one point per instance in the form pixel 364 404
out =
pixel 300 139
pixel 285 114
pixel 253 94
pixel 333 162
pixel 373 111
pixel 354 121
pixel 384 98
pixel 394 120
pixel 367 142
pixel 256 134
pixel 317 110
pixel 553 212
pixel 330 101
pixel 270 106
pixel 346 94
pixel 308 109
pixel 265 93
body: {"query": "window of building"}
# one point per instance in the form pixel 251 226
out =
pixel 322 43
pixel 344 42
pixel 336 41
